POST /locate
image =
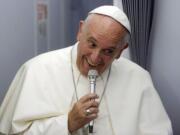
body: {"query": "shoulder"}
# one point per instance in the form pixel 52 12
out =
pixel 49 59
pixel 132 78
pixel 125 65
pixel 131 73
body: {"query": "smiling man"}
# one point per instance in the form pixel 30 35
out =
pixel 50 94
pixel 99 43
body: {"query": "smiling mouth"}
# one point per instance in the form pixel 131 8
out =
pixel 91 64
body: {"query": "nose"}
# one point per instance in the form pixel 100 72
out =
pixel 95 57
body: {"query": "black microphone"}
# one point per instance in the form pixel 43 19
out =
pixel 92 75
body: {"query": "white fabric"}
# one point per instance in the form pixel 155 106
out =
pixel 41 94
pixel 115 13
pixel 102 124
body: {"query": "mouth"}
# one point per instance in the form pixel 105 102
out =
pixel 91 65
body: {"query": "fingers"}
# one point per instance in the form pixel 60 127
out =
pixel 91 103
pixel 83 111
pixel 88 103
pixel 88 97
pixel 92 113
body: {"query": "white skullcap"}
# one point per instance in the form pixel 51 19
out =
pixel 115 13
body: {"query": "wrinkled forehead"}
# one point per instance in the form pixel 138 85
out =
pixel 105 27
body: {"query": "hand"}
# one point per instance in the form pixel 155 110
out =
pixel 78 116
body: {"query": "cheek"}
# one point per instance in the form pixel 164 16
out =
pixel 84 51
pixel 107 61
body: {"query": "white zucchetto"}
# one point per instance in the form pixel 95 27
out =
pixel 115 13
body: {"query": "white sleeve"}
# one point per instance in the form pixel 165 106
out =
pixel 153 117
pixel 49 126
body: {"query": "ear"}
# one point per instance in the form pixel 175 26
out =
pixel 122 49
pixel 81 23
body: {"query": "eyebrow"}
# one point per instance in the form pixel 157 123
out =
pixel 94 40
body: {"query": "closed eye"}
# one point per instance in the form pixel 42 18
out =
pixel 108 52
pixel 92 44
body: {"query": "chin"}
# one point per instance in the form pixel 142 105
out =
pixel 84 73
pixel 84 68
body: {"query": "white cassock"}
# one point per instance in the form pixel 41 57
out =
pixel 42 93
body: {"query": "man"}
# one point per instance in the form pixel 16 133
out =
pixel 50 94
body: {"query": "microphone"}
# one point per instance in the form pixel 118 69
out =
pixel 92 75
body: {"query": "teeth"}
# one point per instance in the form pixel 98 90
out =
pixel 91 64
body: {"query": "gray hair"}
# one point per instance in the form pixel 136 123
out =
pixel 126 38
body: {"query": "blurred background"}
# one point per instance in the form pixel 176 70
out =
pixel 31 27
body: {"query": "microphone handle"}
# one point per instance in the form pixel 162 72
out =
pixel 92 89
pixel 92 86
pixel 91 124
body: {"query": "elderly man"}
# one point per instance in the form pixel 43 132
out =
pixel 50 93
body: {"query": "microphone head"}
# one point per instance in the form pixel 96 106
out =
pixel 92 74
